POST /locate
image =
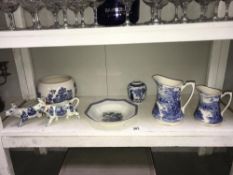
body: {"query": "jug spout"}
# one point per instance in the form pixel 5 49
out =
pixel 161 80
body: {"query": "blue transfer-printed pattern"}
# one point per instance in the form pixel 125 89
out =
pixel 71 108
pixel 168 106
pixel 60 111
pixel 59 96
pixel 50 111
pixel 137 94
pixel 211 106
pixel 31 111
pixel 24 116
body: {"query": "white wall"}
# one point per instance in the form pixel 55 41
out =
pixel 107 70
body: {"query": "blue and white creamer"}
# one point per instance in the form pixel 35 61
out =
pixel 137 91
pixel 208 109
pixel 168 103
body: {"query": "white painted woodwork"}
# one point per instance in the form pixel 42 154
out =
pixel 142 130
pixel 217 64
pixel 117 35
pixel 114 161
pixel 25 73
pixel 6 167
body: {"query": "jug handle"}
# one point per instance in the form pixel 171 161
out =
pixel 229 101
pixel 192 84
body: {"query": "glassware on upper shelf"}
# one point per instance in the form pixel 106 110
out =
pixel 54 6
pixel 113 12
pixel 162 3
pixel 95 4
pixel 156 7
pixel 78 6
pixel 33 7
pixel 215 15
pixel 176 3
pixel 9 7
pixel 227 7
pixel 128 4
pixel 204 5
pixel 184 6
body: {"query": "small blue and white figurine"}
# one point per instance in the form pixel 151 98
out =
pixel 208 109
pixel 168 103
pixel 25 113
pixel 64 109
pixel 137 91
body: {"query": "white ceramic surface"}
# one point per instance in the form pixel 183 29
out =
pixel 56 88
pixel 111 110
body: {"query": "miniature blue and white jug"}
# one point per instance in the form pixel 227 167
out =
pixel 168 106
pixel 137 91
pixel 208 109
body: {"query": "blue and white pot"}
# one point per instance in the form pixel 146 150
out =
pixel 137 91
pixel 208 109
pixel 56 88
pixel 168 107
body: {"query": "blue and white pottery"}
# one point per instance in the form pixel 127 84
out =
pixel 56 89
pixel 25 113
pixel 168 103
pixel 64 109
pixel 137 91
pixel 111 110
pixel 208 109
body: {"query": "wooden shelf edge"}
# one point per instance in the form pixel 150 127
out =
pixel 118 35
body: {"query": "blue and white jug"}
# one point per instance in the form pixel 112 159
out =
pixel 168 106
pixel 208 109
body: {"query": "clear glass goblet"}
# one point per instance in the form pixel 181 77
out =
pixel 54 6
pixel 78 6
pixel 33 7
pixel 162 3
pixel 154 5
pixel 128 4
pixel 184 6
pixel 9 7
pixel 227 6
pixel 216 5
pixel 74 8
pixel 176 3
pixel 204 5
pixel 95 4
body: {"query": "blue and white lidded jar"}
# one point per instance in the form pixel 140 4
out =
pixel 208 109
pixel 137 91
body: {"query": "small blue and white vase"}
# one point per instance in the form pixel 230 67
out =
pixel 168 107
pixel 137 91
pixel 208 109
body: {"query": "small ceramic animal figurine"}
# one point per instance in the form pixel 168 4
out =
pixel 208 109
pixel 60 110
pixel 25 113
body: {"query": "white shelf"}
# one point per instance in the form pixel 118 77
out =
pixel 117 35
pixel 86 133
